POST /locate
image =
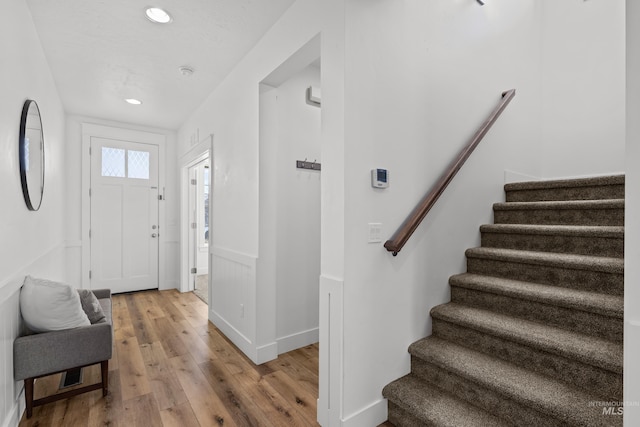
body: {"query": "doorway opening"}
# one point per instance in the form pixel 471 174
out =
pixel 289 240
pixel 199 190
pixel 196 227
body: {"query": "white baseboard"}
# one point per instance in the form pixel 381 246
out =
pixel 257 354
pixel 236 337
pixel 297 340
pixel 15 412
pixel 373 415
pixel 266 353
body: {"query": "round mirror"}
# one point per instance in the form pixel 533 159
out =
pixel 31 155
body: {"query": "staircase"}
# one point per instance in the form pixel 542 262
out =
pixel 533 333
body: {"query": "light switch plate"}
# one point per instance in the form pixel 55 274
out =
pixel 375 232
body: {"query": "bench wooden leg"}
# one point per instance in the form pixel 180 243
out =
pixel 28 395
pixel 105 377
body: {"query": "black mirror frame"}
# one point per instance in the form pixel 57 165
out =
pixel 21 150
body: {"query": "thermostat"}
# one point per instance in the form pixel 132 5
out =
pixel 379 178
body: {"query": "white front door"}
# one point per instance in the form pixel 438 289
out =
pixel 124 215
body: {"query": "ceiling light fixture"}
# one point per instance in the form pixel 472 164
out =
pixel 185 70
pixel 133 101
pixel 481 2
pixel 155 14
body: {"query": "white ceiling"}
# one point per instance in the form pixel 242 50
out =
pixel 102 51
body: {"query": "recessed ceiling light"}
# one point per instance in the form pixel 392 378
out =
pixel 133 101
pixel 155 14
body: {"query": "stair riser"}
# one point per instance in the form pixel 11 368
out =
pixel 401 418
pixel 598 192
pixel 482 397
pixel 593 324
pixel 597 381
pixel 596 281
pixel 595 246
pixel 601 217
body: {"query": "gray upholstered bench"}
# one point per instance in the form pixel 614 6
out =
pixel 48 353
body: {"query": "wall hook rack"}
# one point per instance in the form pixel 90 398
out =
pixel 304 164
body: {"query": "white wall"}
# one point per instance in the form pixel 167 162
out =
pixel 583 92
pixel 297 216
pixel 170 233
pixel 231 114
pixel 404 87
pixel 32 242
pixel 419 79
pixel 632 213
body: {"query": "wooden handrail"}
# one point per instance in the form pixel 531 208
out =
pixel 416 216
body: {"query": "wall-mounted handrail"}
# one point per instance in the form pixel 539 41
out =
pixel 404 232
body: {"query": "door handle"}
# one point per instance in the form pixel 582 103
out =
pixel 154 235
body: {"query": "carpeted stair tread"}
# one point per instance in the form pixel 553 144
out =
pixel 565 183
pixel 614 232
pixel 607 305
pixel 568 261
pixel 435 407
pixel 530 389
pixel 534 331
pixel 591 350
pixel 561 205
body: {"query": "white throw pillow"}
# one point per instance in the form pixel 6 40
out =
pixel 50 306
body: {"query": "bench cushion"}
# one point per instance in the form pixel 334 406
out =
pixel 50 352
pixel 50 306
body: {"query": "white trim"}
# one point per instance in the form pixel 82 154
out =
pixel 512 176
pixel 297 340
pixel 73 244
pixel 198 153
pixel 9 287
pixel 90 130
pixel 14 281
pixel 15 412
pixel 266 353
pixel 235 256
pixel 373 415
pixel 331 366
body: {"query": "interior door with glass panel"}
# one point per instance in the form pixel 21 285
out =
pixel 124 215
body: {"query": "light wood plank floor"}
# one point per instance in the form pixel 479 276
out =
pixel 171 367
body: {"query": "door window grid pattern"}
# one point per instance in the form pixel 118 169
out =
pixel 113 162
pixel 121 163
pixel 138 164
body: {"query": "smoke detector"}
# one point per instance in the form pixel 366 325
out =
pixel 185 70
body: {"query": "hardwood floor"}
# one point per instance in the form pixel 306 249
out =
pixel 171 367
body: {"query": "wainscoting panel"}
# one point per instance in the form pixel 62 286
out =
pixel 51 265
pixel 9 328
pixel 232 306
pixel 331 361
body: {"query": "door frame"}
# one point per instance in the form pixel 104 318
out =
pixel 90 130
pixel 199 152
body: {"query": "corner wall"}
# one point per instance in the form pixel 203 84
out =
pixel 32 242
pixel 420 77
pixel 583 95
pixel 231 114
pixel 632 225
